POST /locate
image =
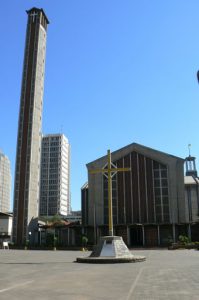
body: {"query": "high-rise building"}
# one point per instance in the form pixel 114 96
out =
pixel 5 183
pixel 27 170
pixel 55 176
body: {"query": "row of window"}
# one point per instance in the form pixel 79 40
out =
pixel 55 138
pixel 161 193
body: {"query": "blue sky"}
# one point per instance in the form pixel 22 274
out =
pixel 117 72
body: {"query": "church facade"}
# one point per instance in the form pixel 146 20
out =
pixel 149 203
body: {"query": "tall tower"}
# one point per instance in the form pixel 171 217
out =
pixel 55 176
pixel 27 169
pixel 5 183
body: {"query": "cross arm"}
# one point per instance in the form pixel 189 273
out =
pixel 120 170
pixel 95 171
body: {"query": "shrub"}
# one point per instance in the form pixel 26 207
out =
pixel 183 239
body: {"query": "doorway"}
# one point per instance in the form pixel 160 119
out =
pixel 136 236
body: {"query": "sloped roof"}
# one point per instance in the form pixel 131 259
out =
pixel 6 214
pixel 59 224
pixel 149 152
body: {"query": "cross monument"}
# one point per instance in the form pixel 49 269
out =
pixel 109 172
pixel 110 249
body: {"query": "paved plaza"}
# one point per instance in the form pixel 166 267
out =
pixel 54 275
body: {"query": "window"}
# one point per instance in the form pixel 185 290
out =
pixel 161 191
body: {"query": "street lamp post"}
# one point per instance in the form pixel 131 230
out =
pixel 39 237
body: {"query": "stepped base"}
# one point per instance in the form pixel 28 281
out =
pixel 111 249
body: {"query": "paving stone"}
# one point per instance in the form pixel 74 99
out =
pixel 42 275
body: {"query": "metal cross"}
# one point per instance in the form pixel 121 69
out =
pixel 111 170
pixel 34 14
pixel 189 147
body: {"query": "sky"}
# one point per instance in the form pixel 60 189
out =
pixel 117 72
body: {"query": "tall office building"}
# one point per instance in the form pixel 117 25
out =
pixel 55 176
pixel 27 170
pixel 5 183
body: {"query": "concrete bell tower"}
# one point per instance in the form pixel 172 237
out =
pixel 27 169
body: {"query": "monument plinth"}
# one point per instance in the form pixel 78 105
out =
pixel 111 249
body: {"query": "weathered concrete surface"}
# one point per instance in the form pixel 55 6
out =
pixel 110 249
pixel 43 275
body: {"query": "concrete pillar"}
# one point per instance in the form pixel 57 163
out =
pixel 158 235
pixel 128 236
pixel 73 237
pixel 68 237
pixel 97 235
pixel 189 231
pixel 174 233
pixel 143 235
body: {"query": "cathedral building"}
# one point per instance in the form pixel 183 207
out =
pixel 148 202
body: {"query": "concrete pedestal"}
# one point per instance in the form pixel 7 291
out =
pixel 111 249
